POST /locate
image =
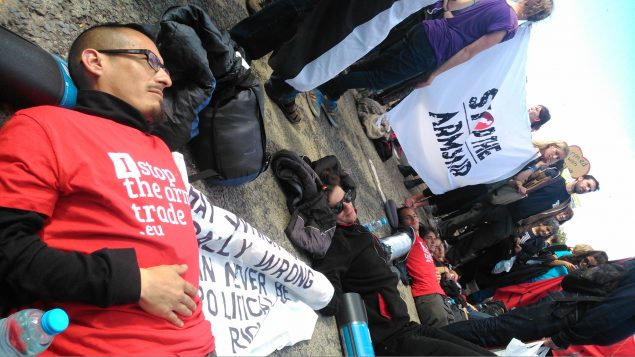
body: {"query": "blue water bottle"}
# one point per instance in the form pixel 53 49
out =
pixel 376 224
pixel 353 326
pixel 31 331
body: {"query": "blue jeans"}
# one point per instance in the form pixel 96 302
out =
pixel 281 90
pixel 407 59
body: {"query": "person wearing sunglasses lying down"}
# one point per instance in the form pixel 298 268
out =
pixel 356 262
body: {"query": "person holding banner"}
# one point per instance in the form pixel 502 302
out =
pixel 348 31
pixel 463 198
pixel 439 45
pixel 356 262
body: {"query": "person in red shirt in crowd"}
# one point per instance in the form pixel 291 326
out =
pixel 432 304
pixel 94 214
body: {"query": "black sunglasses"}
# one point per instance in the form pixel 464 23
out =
pixel 152 59
pixel 348 198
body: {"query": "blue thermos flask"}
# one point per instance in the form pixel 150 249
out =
pixel 353 327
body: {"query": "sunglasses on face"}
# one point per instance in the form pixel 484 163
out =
pixel 153 60
pixel 348 198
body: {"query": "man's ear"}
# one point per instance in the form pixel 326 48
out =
pixel 92 62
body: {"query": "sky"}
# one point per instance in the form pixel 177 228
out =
pixel 581 65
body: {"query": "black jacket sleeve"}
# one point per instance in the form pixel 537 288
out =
pixel 31 271
pixel 334 266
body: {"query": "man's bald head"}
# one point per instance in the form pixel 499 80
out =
pixel 109 35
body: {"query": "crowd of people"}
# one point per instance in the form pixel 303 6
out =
pixel 79 227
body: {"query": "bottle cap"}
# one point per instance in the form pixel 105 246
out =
pixel 54 321
pixel 383 220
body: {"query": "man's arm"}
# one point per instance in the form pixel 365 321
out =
pixel 33 271
pixel 30 271
pixel 464 55
pixel 334 264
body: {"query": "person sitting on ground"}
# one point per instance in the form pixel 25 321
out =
pixel 495 235
pixel 534 239
pixel 562 318
pixel 544 265
pixel 356 262
pixel 449 279
pixel 433 307
pixel 580 249
pixel 78 221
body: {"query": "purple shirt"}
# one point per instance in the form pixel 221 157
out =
pixel 449 36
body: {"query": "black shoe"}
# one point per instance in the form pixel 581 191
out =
pixel 411 184
pixel 289 109
pixel 253 6
pixel 329 107
pixel 405 170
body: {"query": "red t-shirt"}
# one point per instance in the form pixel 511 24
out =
pixel 422 270
pixel 105 185
pixel 626 347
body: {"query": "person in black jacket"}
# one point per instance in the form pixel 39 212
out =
pixel 356 262
pixel 562 319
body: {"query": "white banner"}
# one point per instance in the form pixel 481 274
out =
pixel 258 297
pixel 361 40
pixel 470 126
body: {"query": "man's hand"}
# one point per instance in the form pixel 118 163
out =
pixel 522 190
pixel 565 264
pixel 164 293
pixel 548 342
pixel 517 246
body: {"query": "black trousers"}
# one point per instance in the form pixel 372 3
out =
pixel 498 227
pixel 419 340
pixel 528 323
pixel 270 27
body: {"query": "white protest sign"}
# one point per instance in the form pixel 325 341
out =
pixel 258 296
pixel 470 126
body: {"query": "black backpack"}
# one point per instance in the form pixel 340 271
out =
pixel 599 281
pixel 230 149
